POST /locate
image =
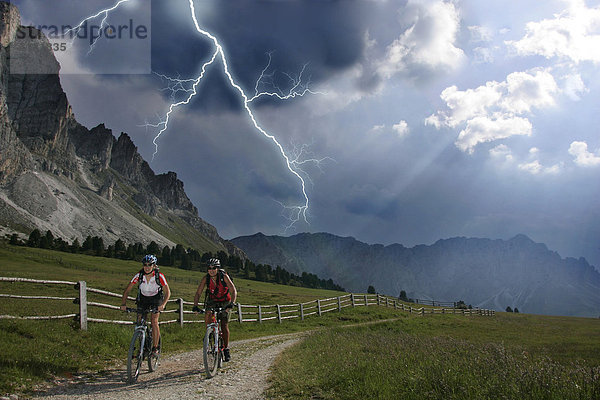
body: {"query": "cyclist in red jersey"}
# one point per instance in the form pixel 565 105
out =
pixel 153 293
pixel 220 291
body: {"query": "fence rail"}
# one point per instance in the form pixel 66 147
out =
pixel 243 312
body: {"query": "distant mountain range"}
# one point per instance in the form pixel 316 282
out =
pixel 57 175
pixel 482 272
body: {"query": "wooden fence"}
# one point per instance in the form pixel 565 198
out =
pixel 242 313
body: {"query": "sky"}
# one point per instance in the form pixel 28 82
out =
pixel 395 121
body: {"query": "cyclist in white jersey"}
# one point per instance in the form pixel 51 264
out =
pixel 153 294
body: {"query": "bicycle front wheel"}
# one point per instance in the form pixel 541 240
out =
pixel 211 352
pixel 135 356
pixel 153 359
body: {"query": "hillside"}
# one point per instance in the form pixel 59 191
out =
pixel 58 175
pixel 441 346
pixel 485 273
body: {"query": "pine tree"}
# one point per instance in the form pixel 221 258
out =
pixel 165 257
pixel 75 247
pixel 14 240
pixel 34 238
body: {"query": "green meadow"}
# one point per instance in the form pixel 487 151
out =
pixel 506 356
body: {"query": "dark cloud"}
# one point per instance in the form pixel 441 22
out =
pixel 328 36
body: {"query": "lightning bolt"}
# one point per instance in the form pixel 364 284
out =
pixel 77 28
pixel 297 88
pixel 189 87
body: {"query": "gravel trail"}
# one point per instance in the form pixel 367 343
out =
pixel 181 376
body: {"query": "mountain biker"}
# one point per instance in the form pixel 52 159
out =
pixel 153 294
pixel 220 292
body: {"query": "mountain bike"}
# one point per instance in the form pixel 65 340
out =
pixel 140 348
pixel 213 340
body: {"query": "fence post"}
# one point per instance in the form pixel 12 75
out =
pixel 352 299
pixel 378 300
pixel 239 307
pixel 180 302
pixel 302 311
pixel 259 314
pixel 339 304
pixel 279 313
pixel 319 306
pixel 366 300
pixel 82 305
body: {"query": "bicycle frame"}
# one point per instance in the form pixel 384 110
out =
pixel 214 324
pixel 215 351
pixel 142 326
pixel 142 334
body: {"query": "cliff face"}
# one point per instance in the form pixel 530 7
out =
pixel 482 272
pixel 56 174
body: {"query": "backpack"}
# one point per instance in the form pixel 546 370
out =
pixel 156 276
pixel 220 281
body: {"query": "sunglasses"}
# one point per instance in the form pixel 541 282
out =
pixel 148 265
pixel 212 267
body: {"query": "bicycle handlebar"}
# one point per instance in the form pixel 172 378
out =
pixel 213 309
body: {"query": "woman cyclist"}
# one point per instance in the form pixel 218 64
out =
pixel 220 292
pixel 153 294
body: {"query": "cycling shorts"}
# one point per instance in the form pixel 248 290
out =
pixel 224 313
pixel 149 302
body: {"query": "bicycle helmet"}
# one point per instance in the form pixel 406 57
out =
pixel 149 259
pixel 214 262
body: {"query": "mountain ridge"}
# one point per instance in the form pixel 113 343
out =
pixel 58 175
pixel 488 273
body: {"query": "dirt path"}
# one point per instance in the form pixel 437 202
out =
pixel 181 376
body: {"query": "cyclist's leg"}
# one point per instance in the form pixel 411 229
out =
pixel 155 330
pixel 208 314
pixel 207 317
pixel 225 332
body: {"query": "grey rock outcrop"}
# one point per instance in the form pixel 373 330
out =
pixel 58 175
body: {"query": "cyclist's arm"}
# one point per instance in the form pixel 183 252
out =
pixel 231 286
pixel 167 292
pixel 199 291
pixel 125 294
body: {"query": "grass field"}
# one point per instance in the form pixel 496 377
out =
pixel 446 357
pixel 34 351
pixel 436 356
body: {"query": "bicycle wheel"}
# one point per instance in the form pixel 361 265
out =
pixel 211 355
pixel 135 356
pixel 153 360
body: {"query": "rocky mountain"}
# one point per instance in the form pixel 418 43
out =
pixel 58 175
pixel 484 273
